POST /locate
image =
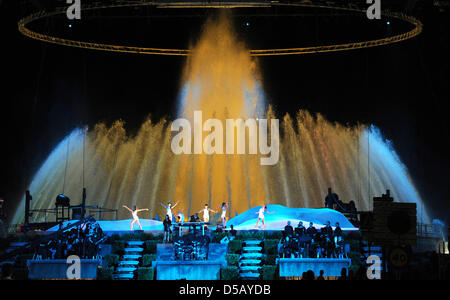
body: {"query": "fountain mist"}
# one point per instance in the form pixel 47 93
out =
pixel 222 80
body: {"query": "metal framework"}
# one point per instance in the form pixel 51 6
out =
pixel 22 26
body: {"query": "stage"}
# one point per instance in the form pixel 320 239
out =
pixel 169 269
pixel 244 221
pixel 58 268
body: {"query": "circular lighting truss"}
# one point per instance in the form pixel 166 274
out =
pixel 22 26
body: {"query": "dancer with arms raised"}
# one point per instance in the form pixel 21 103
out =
pixel 134 213
pixel 169 209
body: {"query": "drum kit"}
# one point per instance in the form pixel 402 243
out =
pixel 191 247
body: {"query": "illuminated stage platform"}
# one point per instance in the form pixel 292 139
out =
pixel 57 268
pixel 294 267
pixel 245 221
pixel 169 269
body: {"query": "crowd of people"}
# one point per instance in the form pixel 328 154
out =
pixel 310 242
pixel 82 240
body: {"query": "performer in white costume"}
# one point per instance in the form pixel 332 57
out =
pixel 134 213
pixel 260 213
pixel 223 216
pixel 169 209
pixel 206 211
pixel 180 216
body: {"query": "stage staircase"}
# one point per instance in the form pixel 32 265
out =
pixel 130 261
pixel 250 260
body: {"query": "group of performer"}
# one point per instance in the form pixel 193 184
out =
pixel 181 219
pixel 310 242
pixel 82 240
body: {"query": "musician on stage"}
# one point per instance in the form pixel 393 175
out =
pixel 134 213
pixel 327 239
pixel 338 241
pixel 327 230
pixel 180 216
pixel 300 229
pixel 167 223
pixel 288 230
pixel 338 230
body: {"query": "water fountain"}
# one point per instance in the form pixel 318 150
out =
pixel 222 80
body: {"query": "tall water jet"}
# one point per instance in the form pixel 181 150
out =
pixel 222 80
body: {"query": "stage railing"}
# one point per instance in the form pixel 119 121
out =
pixel 100 212
pixel 36 214
pixel 42 215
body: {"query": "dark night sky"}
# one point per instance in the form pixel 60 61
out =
pixel 402 88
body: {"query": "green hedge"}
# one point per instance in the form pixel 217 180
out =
pixel 21 260
pixel 135 236
pixel 218 236
pixel 270 259
pixel 111 260
pixel 273 235
pixel 355 257
pixel 147 259
pixel 235 246
pixel 150 246
pixel 118 247
pixel 114 237
pixel 144 273
pixel 159 237
pixel 250 235
pixel 271 247
pixel 268 272
pixel 230 273
pixel 104 273
pixel 232 259
pixel 354 245
pixel 352 235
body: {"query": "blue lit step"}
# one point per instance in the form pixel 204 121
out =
pixel 252 248
pixel 249 262
pixel 256 254
pixel 252 242
pixel 134 249
pixel 124 276
pixel 132 256
pixel 135 243
pixel 126 269
pixel 250 268
pixel 129 262
pixel 249 275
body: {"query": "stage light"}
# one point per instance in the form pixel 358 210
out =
pixel 70 25
pixel 389 23
pixel 247 24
